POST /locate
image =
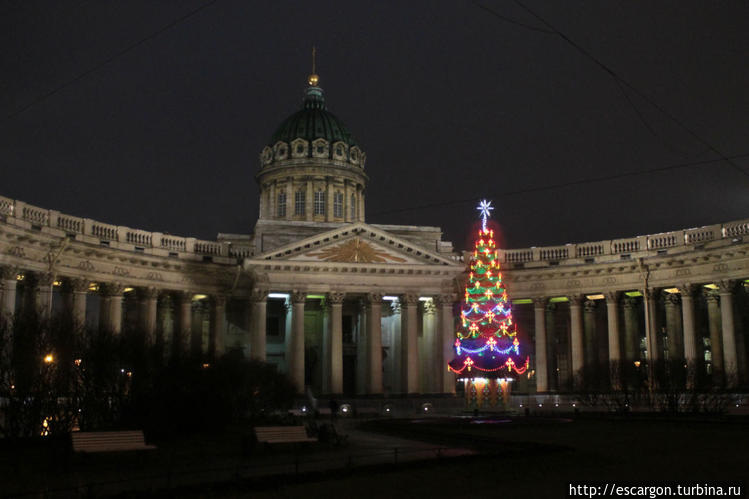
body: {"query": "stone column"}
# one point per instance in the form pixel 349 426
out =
pixel 309 200
pixel 273 205
pixel 651 332
pixel 360 199
pixel 147 312
pixel 333 340
pixel 164 326
pixel 79 292
pixel 258 325
pixel 374 343
pixel 730 359
pixel 431 380
pixel 589 335
pixel 295 357
pixel 552 354
pixel 673 327
pixel 216 345
pixel 542 370
pixel 290 198
pixel 687 318
pixel 631 330
pixel 44 283
pixel 8 276
pixel 409 343
pixel 615 357
pixel 183 331
pixel 576 338
pixel 196 331
pixel 716 345
pixel 447 337
pixel 110 307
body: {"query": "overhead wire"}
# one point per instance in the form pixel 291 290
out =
pixel 570 183
pixel 639 93
pixel 110 59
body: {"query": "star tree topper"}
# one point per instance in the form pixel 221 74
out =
pixel 485 207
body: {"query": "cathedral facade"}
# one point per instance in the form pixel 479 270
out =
pixel 347 307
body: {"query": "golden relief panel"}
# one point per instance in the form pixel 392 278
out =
pixel 356 251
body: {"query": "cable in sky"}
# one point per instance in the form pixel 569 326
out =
pixel 633 88
pixel 571 183
pixel 110 59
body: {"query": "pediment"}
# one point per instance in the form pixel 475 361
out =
pixel 356 243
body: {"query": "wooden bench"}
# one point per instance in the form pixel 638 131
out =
pixel 282 434
pixel 109 441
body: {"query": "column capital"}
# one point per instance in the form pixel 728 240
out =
pixel 409 299
pixel 335 297
pixel 630 301
pixel 148 293
pixel 218 300
pixel 429 306
pixel 258 295
pixel 686 289
pixel 184 296
pixel 725 286
pixel 77 285
pixel 374 298
pixel 672 299
pixel 540 302
pixel 575 300
pixel 45 278
pixel 111 289
pixel 8 272
pixel 711 295
pixel 444 299
pixel 298 297
pixel 612 296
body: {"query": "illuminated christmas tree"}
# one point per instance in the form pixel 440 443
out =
pixel 487 347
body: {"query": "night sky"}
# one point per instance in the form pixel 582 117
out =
pixel 152 114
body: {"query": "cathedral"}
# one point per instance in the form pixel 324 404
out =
pixel 350 308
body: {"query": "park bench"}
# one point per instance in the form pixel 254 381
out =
pixel 109 441
pixel 282 435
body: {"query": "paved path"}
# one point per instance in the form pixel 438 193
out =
pixel 201 464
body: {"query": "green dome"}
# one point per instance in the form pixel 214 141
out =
pixel 312 122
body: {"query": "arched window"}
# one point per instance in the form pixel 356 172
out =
pixel 299 202
pixel 281 205
pixel 338 204
pixel 320 203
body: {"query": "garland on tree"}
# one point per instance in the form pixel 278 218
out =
pixel 487 344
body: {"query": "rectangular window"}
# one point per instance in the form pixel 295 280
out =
pixel 353 206
pixel 338 205
pixel 281 206
pixel 319 203
pixel 299 202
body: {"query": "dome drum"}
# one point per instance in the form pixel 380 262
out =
pixel 312 169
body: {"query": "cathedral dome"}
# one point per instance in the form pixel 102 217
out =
pixel 313 132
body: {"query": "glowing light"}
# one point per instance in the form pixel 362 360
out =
pixel 77 362
pixel 485 208
pixel 390 298
pixel 285 296
pixel 49 358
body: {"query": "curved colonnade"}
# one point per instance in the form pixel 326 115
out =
pixel 374 328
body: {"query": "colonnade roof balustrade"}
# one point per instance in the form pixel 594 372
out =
pixel 615 250
pixel 24 215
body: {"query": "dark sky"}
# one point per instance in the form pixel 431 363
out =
pixel 130 113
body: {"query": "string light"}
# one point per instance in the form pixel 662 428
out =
pixel 487 341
